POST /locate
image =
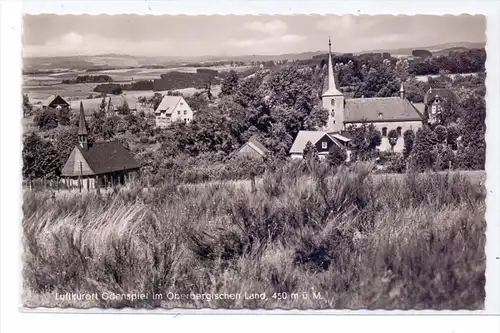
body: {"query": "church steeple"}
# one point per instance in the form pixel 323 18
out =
pixel 402 91
pixel 332 84
pixel 82 129
pixel 333 99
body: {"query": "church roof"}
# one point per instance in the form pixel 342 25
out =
pixel 82 128
pixel 380 109
pixel 108 156
pixel 333 85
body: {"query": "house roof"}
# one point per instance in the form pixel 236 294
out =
pixel 380 109
pixel 303 137
pixel 108 156
pixel 420 107
pixel 257 146
pixel 51 99
pixel 430 95
pixel 168 103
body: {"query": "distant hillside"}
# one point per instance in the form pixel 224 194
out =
pixel 440 49
pixel 127 61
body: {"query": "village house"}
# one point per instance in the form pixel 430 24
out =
pixel 253 148
pixel 101 164
pixel 323 141
pixel 171 109
pixel 55 102
pixel 385 113
pixel 112 104
pixel 435 102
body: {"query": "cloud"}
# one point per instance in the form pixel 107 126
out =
pixel 73 43
pixel 273 44
pixel 275 27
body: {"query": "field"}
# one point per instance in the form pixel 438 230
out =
pixel 40 86
pixel 350 240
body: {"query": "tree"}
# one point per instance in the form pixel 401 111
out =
pixel 409 138
pixel 230 83
pixel 124 109
pixel 27 107
pixel 423 153
pixel 336 156
pixel 366 139
pixel 441 133
pixel 63 116
pixel 453 133
pixel 311 156
pixel 46 120
pixel 393 136
pixel 40 158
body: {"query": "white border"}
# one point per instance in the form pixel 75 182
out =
pixel 11 165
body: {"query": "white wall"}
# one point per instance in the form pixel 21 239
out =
pixel 182 112
pixel 385 146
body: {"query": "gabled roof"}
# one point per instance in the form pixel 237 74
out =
pixel 303 137
pixel 168 104
pixel 380 109
pixel 51 99
pixel 430 95
pixel 257 146
pixel 108 156
pixel 420 107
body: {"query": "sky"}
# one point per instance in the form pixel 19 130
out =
pixel 182 35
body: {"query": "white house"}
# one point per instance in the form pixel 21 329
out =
pixel 171 109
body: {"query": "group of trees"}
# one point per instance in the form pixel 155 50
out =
pixel 273 106
pixel 89 79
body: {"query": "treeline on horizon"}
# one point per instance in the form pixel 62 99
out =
pixel 456 62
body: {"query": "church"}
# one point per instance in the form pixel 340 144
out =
pixel 101 164
pixel 385 113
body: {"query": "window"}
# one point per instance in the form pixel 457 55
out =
pixel 178 111
pixel 434 108
pixel 399 129
pixel 324 145
pixel 185 112
pixel 384 131
pixel 333 113
pixel 333 102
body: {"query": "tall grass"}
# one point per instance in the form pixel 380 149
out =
pixel 407 243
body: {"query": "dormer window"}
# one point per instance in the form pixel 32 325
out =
pixel 324 145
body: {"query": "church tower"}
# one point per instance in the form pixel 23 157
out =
pixel 333 99
pixel 82 129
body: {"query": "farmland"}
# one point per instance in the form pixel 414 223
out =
pixel 40 86
pixel 357 242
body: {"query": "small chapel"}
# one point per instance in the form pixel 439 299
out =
pixel 101 164
pixel 385 113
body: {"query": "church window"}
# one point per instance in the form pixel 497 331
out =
pixel 399 129
pixel 333 114
pixel 324 145
pixel 333 102
pixel 384 131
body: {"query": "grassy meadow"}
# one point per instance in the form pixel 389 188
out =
pixel 415 241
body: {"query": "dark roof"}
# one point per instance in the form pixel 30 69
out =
pixel 108 156
pixel 54 98
pixel 380 109
pixel 442 92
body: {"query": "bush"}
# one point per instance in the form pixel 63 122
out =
pixel 361 241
